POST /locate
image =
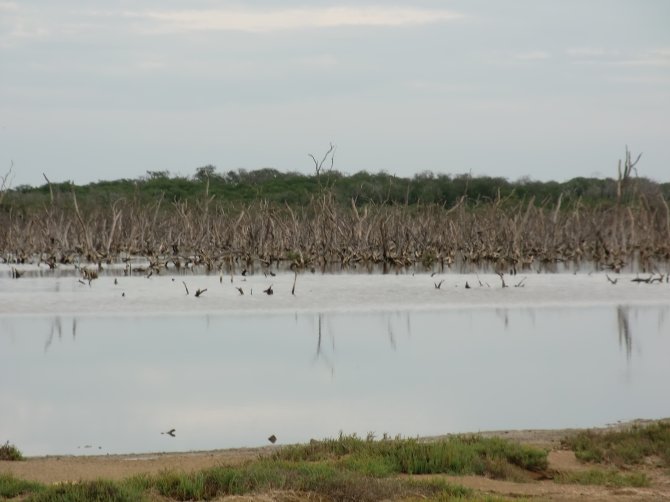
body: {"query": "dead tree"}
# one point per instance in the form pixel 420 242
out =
pixel 625 174
pixel 5 182
pixel 318 166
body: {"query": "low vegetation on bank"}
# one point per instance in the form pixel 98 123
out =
pixel 604 477
pixel 346 468
pixel 369 469
pixel 626 447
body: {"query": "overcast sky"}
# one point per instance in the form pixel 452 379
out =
pixel 549 89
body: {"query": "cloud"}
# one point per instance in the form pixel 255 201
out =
pixel 659 57
pixel 655 57
pixel 532 56
pixel 264 20
pixel 586 52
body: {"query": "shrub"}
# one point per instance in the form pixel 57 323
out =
pixel 10 452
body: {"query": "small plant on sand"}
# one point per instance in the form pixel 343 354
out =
pixel 10 452
pixel 610 478
pixel 628 446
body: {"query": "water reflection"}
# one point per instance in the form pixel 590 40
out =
pixel 401 322
pixel 320 354
pixel 56 328
pixel 226 381
pixel 625 336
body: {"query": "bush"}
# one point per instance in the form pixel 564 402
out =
pixel 10 452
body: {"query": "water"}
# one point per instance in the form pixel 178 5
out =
pixel 111 383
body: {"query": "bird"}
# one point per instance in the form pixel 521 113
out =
pixel 169 433
pixel 268 291
pixel 272 439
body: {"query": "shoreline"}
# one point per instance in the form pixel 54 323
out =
pixel 74 468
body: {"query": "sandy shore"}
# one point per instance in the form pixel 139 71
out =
pixel 58 469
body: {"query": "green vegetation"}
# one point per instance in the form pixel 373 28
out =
pixel 625 447
pixel 331 221
pixel 10 452
pixel 96 491
pixel 493 457
pixel 366 469
pixel 610 478
pixel 11 487
pixel 324 480
pixel 240 187
pixel 347 468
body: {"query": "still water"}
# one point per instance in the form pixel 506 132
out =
pixel 113 384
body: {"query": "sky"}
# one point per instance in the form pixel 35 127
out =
pixel 99 90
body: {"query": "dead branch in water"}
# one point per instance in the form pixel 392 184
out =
pixel 502 279
pixel 327 235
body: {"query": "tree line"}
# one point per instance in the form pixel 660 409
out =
pixel 294 189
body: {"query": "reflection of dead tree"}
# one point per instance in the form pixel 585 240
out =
pixel 391 335
pixel 318 342
pixel 504 314
pixel 56 328
pixel 319 352
pixel 625 336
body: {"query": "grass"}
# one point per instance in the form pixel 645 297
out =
pixel 93 491
pixel 10 452
pixel 611 478
pixel 626 447
pixel 11 487
pixel 346 468
pixel 493 457
pixel 324 480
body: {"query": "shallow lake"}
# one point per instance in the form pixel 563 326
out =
pixel 77 384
